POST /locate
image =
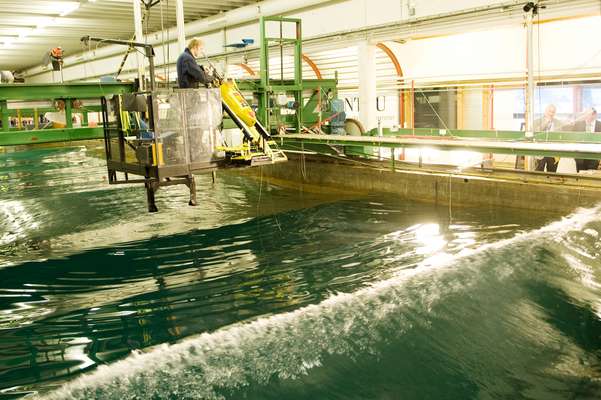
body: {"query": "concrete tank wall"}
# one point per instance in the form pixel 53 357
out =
pixel 534 191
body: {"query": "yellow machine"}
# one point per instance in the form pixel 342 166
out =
pixel 257 147
pixel 231 95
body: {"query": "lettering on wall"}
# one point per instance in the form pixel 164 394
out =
pixel 381 103
pixel 351 104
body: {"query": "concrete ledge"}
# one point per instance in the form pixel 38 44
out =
pixel 535 191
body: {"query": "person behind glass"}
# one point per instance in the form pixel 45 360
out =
pixel 189 73
pixel 547 123
pixel 587 124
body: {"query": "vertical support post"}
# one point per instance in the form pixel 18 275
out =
pixel 487 120
pixel 5 116
pixel 150 56
pixel 412 105
pixel 19 120
pixel 36 119
pixel 225 61
pixel 401 109
pixel 140 39
pixel 264 61
pixel 192 186
pixel 367 85
pixel 486 103
pixel 68 113
pixel 84 118
pixel 298 75
pixel 282 52
pixel 530 72
pixel 151 188
pixel 492 106
pixel 460 108
pixel 181 32
pixel 264 75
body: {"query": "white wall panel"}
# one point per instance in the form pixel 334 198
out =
pixel 468 55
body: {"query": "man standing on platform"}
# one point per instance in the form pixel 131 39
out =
pixel 189 73
pixel 548 123
pixel 587 124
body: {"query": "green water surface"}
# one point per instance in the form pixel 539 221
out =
pixel 270 292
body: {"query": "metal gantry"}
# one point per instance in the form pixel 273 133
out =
pixel 268 86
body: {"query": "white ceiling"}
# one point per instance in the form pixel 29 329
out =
pixel 30 28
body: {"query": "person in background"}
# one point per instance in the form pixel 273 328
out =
pixel 587 124
pixel 547 123
pixel 6 77
pixel 59 117
pixel 189 73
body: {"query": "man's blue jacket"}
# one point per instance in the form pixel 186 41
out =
pixel 189 73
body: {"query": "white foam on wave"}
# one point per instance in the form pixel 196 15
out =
pixel 290 344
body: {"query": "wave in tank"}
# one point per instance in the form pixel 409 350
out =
pixel 289 345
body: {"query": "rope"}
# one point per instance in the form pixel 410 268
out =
pixel 450 197
pixel 163 40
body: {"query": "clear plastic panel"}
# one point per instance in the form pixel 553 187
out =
pixel 170 129
pixel 203 117
pixel 188 127
pixel 113 128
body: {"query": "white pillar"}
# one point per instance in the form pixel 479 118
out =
pixel 367 85
pixel 181 33
pixel 530 72
pixel 140 39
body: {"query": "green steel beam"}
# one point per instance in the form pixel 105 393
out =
pixel 29 112
pixel 4 113
pixel 86 90
pixel 280 40
pixel 280 18
pixel 68 114
pixel 15 138
pixel 298 73
pixel 262 111
pixel 285 88
pixel 308 84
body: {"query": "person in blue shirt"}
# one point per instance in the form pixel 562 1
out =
pixel 189 73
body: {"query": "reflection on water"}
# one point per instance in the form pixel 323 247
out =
pixel 294 296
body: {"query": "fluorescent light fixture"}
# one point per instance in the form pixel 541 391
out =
pixel 23 33
pixel 8 42
pixel 67 7
pixel 45 22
